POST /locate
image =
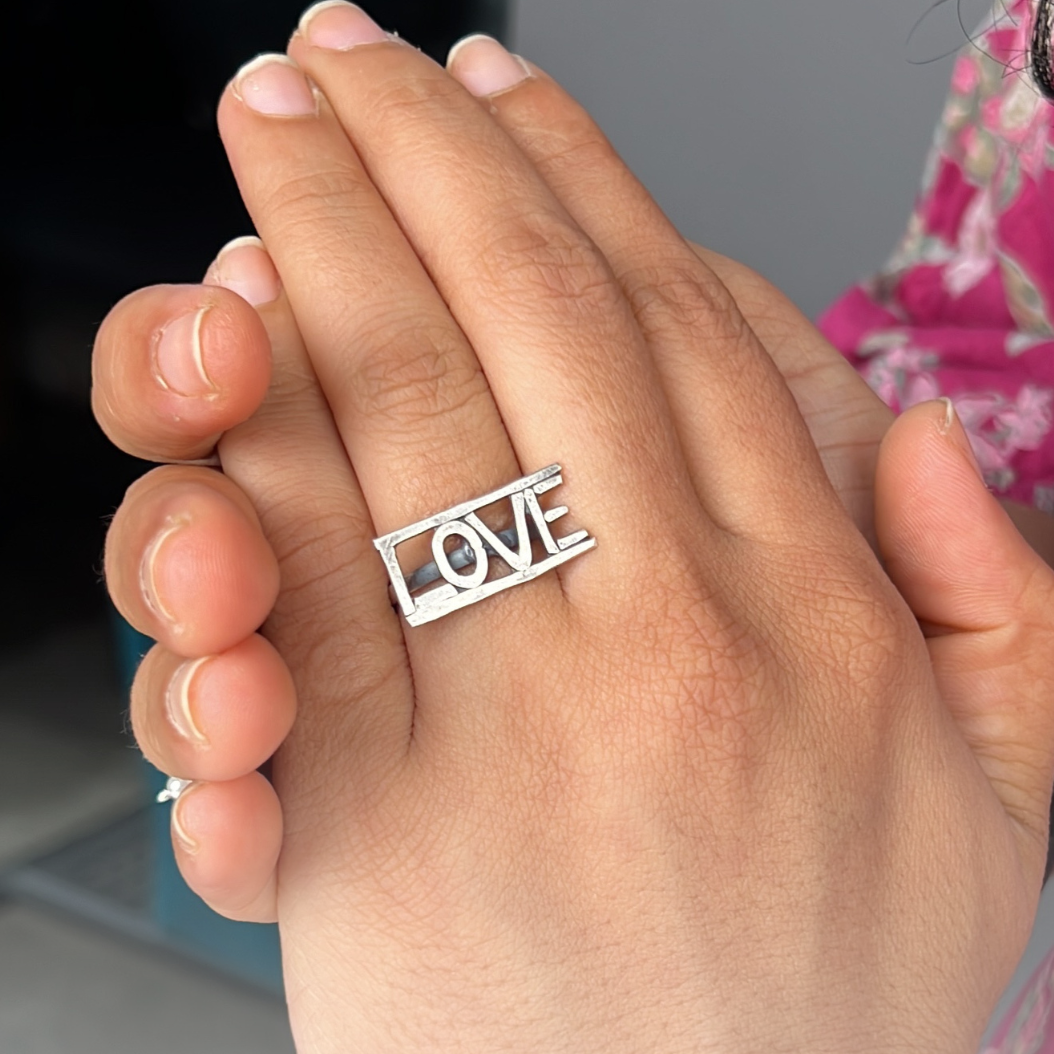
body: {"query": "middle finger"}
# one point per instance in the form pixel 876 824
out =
pixel 557 339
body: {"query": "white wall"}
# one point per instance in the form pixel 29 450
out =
pixel 787 133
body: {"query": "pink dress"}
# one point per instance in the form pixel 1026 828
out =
pixel 1028 1027
pixel 964 308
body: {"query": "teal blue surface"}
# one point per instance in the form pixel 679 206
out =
pixel 248 950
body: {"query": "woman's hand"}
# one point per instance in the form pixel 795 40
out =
pixel 705 788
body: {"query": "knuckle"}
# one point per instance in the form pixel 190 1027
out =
pixel 316 536
pixel 571 151
pixel 711 670
pixel 401 95
pixel 417 376
pixel 294 393
pixel 549 265
pixel 723 683
pixel 685 298
pixel 720 668
pixel 316 199
pixel 854 633
pixel 864 637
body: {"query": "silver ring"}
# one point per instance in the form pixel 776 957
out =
pixel 513 547
pixel 174 787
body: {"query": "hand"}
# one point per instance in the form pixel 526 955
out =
pixel 736 744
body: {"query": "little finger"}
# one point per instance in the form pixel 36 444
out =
pixel 845 418
pixel 226 838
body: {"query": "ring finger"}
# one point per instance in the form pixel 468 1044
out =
pixel 734 413
pixel 557 339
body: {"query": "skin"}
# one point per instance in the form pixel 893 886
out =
pixel 743 742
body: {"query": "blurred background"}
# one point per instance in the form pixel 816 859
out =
pixel 787 134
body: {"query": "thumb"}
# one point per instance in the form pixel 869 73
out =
pixel 984 598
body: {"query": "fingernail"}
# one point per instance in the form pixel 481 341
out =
pixel 484 67
pixel 179 359
pixel 961 437
pixel 244 266
pixel 274 85
pixel 178 703
pixel 179 828
pixel 339 26
pixel 148 572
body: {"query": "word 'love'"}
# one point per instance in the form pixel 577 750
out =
pixel 466 571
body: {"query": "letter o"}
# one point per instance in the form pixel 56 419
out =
pixel 477 576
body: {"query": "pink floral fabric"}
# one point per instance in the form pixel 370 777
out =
pixel 1029 1026
pixel 964 308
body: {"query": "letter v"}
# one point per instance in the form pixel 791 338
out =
pixel 518 561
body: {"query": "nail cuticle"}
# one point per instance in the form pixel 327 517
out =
pixel 238 243
pixel 353 28
pixel 178 706
pixel 147 568
pixel 457 46
pixel 178 358
pixel 258 63
pixel 527 76
pixel 188 843
pixel 310 13
pixel 485 67
pixel 262 87
pixel 244 267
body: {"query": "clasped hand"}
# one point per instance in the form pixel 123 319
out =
pixel 707 788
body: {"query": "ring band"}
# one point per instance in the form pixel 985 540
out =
pixel 513 547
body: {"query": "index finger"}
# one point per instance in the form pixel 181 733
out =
pixel 175 366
